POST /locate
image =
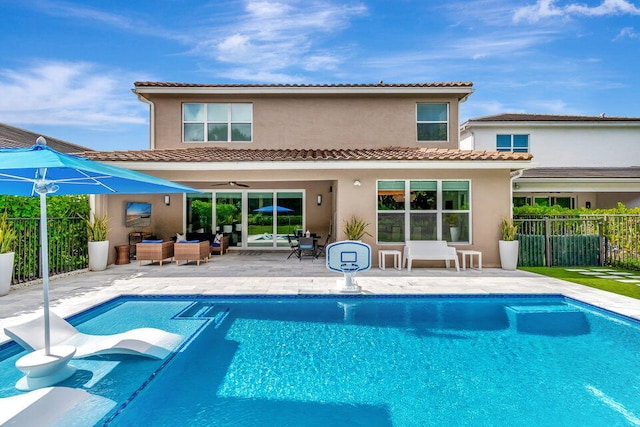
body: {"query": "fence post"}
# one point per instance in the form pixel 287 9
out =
pixel 547 240
pixel 603 252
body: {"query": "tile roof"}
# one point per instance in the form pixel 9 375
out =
pixel 13 137
pixel 518 117
pixel 583 173
pixel 223 154
pixel 345 85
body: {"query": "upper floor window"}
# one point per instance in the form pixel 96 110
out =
pixel 433 122
pixel 513 143
pixel 217 122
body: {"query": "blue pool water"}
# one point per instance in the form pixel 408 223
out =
pixel 365 361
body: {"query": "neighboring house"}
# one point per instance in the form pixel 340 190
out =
pixel 387 153
pixel 591 162
pixel 13 137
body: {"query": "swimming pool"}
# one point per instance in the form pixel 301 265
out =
pixel 365 361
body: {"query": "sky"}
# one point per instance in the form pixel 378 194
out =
pixel 67 67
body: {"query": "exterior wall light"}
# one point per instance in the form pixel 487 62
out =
pixel 167 200
pixel 319 200
pixel 357 183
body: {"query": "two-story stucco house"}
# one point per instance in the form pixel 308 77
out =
pixel 581 161
pixel 273 159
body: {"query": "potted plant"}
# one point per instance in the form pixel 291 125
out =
pixel 453 221
pixel 355 228
pixel 97 231
pixel 8 238
pixel 508 245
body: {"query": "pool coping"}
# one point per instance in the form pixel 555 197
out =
pixel 270 274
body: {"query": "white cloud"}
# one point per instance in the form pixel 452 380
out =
pixel 544 9
pixel 271 36
pixel 627 33
pixel 63 93
pixel 608 7
pixel 128 22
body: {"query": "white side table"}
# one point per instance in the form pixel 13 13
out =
pixel 44 370
pixel 397 258
pixel 464 253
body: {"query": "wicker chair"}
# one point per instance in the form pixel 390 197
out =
pixel 154 251
pixel 224 246
pixel 191 251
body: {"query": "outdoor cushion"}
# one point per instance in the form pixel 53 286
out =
pixel 152 241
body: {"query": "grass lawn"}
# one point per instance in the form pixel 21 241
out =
pixel 628 289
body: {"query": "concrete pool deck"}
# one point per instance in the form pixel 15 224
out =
pixel 239 273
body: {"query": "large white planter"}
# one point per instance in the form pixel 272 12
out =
pixel 455 233
pixel 509 254
pixel 6 271
pixel 98 255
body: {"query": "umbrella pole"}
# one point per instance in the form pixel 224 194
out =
pixel 44 256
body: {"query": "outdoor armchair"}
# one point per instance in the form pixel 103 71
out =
pixel 191 251
pixel 154 251
pixel 321 249
pixel 293 245
pixel 222 247
pixel 306 246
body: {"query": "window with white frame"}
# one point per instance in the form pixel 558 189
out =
pixel 217 122
pixel 565 202
pixel 423 210
pixel 432 122
pixel 513 143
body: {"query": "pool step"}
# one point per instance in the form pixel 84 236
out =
pixel 205 310
pixel 554 320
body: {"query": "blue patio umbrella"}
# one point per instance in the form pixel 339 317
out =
pixel 41 171
pixel 269 209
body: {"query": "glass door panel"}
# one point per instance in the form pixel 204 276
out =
pixel 229 215
pixel 199 213
pixel 288 215
pixel 260 219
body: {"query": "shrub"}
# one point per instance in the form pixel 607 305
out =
pixel 355 228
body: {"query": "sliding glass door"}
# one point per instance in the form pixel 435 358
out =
pixel 252 218
pixel 271 215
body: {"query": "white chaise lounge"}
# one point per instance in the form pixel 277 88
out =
pixel 54 406
pixel 429 250
pixel 146 342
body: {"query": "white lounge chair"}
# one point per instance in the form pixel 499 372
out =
pixel 147 342
pixel 54 406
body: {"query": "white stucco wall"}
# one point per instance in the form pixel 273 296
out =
pixel 566 146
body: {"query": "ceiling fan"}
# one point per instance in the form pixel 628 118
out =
pixel 231 183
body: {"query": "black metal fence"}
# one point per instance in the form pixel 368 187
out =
pixel 67 247
pixel 585 240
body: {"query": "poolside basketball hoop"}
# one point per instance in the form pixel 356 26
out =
pixel 348 257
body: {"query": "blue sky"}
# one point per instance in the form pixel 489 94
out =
pixel 67 68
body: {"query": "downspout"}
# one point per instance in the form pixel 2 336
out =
pixel 152 120
pixel 514 175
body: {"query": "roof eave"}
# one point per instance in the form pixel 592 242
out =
pixel 327 165
pixel 463 92
pixel 471 124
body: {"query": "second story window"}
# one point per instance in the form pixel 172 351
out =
pixel 219 122
pixel 513 143
pixel 433 122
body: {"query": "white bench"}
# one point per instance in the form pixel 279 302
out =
pixel 429 250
